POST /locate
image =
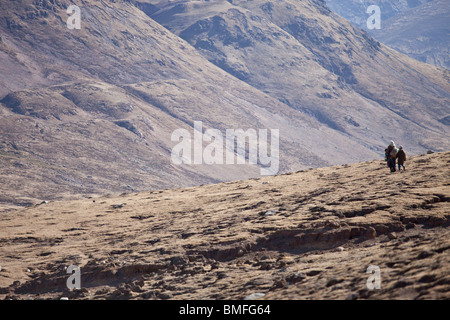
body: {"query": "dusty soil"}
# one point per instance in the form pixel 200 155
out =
pixel 306 235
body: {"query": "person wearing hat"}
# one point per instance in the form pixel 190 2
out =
pixel 391 154
pixel 401 158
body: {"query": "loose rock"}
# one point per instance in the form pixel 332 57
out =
pixel 352 296
pixel 425 254
pixel 254 296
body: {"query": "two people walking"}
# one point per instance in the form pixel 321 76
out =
pixel 393 155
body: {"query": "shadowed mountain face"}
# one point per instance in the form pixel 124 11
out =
pixel 314 61
pixel 93 110
pixel 419 28
pixel 422 33
pixel 356 10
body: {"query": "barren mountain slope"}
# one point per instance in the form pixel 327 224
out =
pixel 422 33
pixel 355 10
pixel 313 60
pixel 419 29
pixel 308 234
pixel 92 111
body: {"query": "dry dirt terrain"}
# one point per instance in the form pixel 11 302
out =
pixel 311 234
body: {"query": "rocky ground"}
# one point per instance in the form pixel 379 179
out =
pixel 306 235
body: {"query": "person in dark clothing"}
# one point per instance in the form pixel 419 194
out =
pixel 391 153
pixel 401 158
